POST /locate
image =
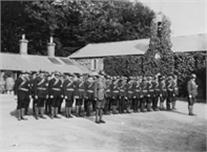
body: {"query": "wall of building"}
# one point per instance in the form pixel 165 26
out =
pixel 93 64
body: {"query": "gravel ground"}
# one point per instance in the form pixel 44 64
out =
pixel 136 132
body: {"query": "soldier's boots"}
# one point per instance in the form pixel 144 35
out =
pixel 143 107
pixel 41 113
pixel 173 105
pixel 190 108
pixel 56 113
pixel 22 114
pixel 36 113
pixel 114 111
pixel 68 112
pixel 52 112
pixel 149 108
pixel 19 114
pixel 162 106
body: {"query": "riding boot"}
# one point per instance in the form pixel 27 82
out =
pixel 52 112
pixel 149 107
pixel 114 111
pixel 19 114
pixel 66 112
pixel 42 113
pixel 173 105
pixel 22 114
pixel 36 113
pixel 97 114
pixel 143 107
pixel 190 108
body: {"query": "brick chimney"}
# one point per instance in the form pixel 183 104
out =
pixel 23 46
pixel 51 48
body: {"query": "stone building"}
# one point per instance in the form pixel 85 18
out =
pixel 92 55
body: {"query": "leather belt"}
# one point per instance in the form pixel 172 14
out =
pixel 81 89
pixel 24 89
pixel 130 92
pixel 56 89
pixel 115 91
pixel 70 89
pixel 90 91
pixel 40 88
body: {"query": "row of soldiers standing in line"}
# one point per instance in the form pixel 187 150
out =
pixel 48 91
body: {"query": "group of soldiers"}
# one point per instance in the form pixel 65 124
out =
pixel 120 94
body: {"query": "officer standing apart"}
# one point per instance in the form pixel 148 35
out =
pixel 99 94
pixel 192 93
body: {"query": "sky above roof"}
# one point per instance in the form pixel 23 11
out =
pixel 187 16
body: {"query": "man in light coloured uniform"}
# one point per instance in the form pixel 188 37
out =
pixel 99 94
pixel 192 93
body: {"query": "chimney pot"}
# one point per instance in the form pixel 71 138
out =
pixel 23 45
pixel 51 48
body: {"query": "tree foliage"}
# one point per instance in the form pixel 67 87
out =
pixel 73 23
pixel 160 45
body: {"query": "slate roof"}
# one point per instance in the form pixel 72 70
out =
pixel 187 43
pixel 19 62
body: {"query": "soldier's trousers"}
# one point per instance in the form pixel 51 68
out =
pixel 143 103
pixel 169 100
pixel 155 102
pixel 34 104
pixel 48 106
pixel 22 100
pixel 41 102
pixel 60 105
pixel 55 101
pixel 135 104
pixel 88 106
pixel 122 103
pixel 27 105
pixel 107 107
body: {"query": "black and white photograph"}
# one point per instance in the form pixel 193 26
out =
pixel 103 76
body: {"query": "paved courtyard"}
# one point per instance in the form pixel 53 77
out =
pixel 154 131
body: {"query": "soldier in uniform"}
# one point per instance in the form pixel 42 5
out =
pixel 192 88
pixel 138 93
pixel 68 93
pixel 99 93
pixel 79 85
pixel 34 101
pixel 141 94
pixel 150 93
pixel 62 78
pixel 132 92
pixel 163 91
pixel 170 91
pixel 55 92
pixel 48 103
pixel 175 94
pixel 89 99
pixel 22 90
pixel 115 94
pixel 107 107
pixel 144 94
pixel 156 88
pixel 123 94
pixel 28 77
pixel 41 94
